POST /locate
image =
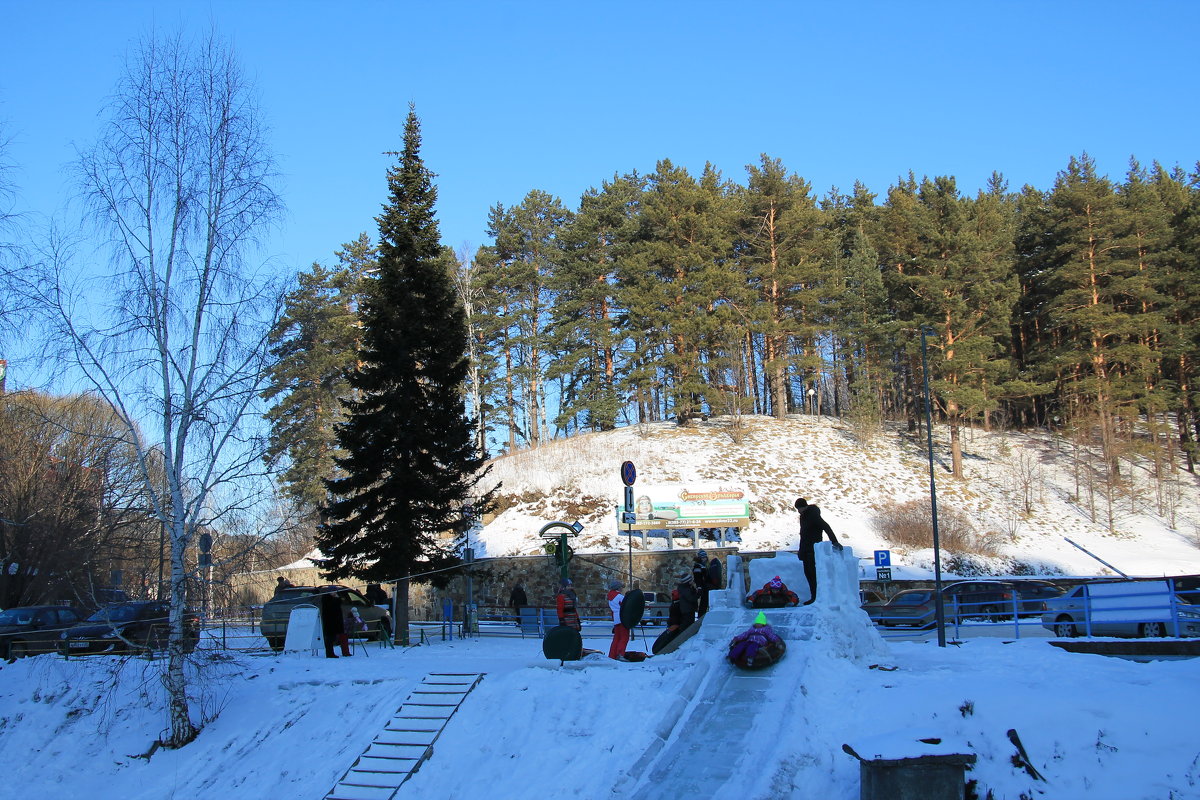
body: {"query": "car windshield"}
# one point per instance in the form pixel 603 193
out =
pixel 913 599
pixel 114 614
pixel 16 616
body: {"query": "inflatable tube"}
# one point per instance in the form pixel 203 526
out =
pixel 564 643
pixel 765 657
pixel 632 608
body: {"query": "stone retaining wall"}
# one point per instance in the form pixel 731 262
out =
pixel 493 579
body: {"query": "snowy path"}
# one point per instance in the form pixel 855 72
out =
pixel 724 716
pixel 704 751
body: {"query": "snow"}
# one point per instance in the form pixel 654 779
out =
pixel 1155 526
pixel 680 724
pixel 685 723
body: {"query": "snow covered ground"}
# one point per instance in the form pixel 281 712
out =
pixel 681 724
pixel 684 724
pixel 1155 524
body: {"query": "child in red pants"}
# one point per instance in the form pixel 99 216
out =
pixel 620 633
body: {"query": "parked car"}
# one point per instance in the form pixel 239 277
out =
pixel 127 628
pixel 1034 596
pixel 869 601
pixel 869 597
pixel 987 600
pixel 962 601
pixel 1121 608
pixel 1187 589
pixel 657 606
pixel 913 607
pixel 277 610
pixel 30 630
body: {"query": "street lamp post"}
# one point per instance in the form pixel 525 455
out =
pixel 937 551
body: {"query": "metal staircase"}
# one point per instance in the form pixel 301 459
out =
pixel 407 739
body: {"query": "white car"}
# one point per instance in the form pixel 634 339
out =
pixel 1121 608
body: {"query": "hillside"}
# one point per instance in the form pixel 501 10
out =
pixel 1155 529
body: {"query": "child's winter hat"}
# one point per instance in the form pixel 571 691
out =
pixel 761 619
pixel 775 583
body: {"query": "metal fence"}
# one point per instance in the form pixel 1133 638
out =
pixel 1164 611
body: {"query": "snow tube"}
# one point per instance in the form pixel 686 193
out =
pixel 774 600
pixel 765 657
pixel 664 639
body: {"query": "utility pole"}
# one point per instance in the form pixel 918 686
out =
pixel 937 552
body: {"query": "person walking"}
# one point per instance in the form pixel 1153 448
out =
pixel 812 528
pixel 517 600
pixel 700 578
pixel 620 640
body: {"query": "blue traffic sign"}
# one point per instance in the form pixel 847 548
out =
pixel 628 473
pixel 883 558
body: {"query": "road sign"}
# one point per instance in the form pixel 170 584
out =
pixel 883 573
pixel 883 558
pixel 628 473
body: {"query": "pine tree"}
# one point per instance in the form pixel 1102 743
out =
pixel 411 464
pixel 677 285
pixel 954 273
pixel 587 341
pixel 1095 300
pixel 314 344
pixel 783 253
pixel 526 254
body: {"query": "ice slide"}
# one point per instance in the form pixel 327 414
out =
pixel 722 712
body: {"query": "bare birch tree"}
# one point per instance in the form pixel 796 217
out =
pixel 173 332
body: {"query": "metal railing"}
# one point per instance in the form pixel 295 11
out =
pixel 1178 611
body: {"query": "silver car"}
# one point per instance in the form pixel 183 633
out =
pixel 1121 608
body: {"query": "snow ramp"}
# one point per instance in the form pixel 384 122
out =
pixel 724 715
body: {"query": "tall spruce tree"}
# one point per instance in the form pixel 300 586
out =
pixel 411 464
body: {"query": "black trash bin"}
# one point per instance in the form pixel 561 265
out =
pixel 921 776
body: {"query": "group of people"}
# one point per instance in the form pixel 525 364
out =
pixel 690 597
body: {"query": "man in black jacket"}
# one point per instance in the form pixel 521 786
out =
pixel 812 528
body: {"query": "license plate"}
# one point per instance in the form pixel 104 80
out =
pixel 79 644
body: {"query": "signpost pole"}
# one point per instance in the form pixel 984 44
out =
pixel 628 476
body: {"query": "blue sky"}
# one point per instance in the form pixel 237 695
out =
pixel 559 96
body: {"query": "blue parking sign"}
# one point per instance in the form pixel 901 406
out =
pixel 883 558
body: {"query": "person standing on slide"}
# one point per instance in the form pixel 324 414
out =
pixel 812 528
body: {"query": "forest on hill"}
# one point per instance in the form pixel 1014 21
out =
pixel 674 296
